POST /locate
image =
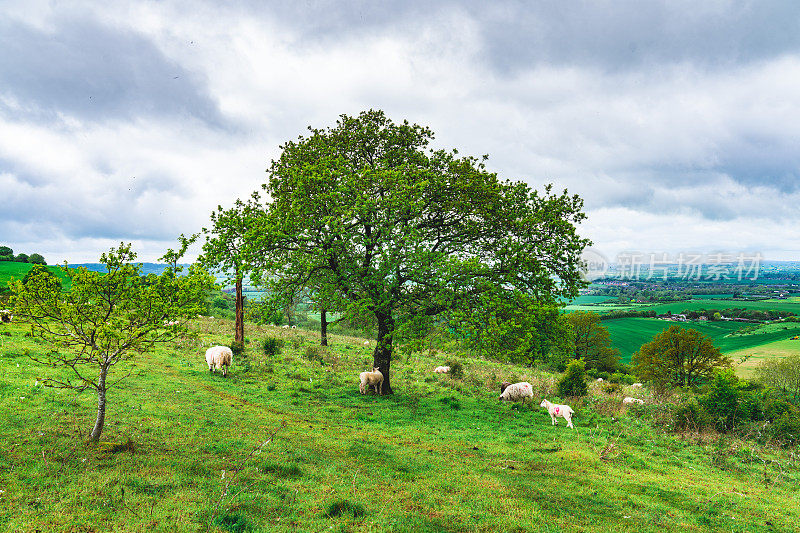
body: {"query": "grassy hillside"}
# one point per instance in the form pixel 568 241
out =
pixel 440 455
pixel 9 269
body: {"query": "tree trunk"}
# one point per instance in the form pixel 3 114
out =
pixel 383 350
pixel 323 327
pixel 239 329
pixel 101 405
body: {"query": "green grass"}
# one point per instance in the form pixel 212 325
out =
pixel 628 334
pixel 9 269
pixel 697 303
pixel 439 455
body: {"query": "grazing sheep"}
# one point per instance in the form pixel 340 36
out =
pixel 441 370
pixel 371 379
pixel 637 385
pixel 5 315
pixel 629 399
pixel 294 327
pixel 366 343
pixel 516 392
pixel 285 326
pixel 555 410
pixel 219 357
pixel 599 380
pixel 504 385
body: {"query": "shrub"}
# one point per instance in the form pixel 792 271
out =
pixel 237 348
pixel 691 415
pixel 625 379
pixel 272 346
pixel 315 353
pixel 573 383
pixel 456 369
pixel 37 259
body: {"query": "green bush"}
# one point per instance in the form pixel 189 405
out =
pixel 729 402
pixel 616 377
pixel 237 348
pixel 272 346
pixel 573 383
pixel 456 369
pixel 691 415
pixel 315 353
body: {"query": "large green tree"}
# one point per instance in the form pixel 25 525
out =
pixel 106 318
pixel 401 229
pixel 678 356
pixel 592 341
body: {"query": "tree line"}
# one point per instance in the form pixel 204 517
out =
pixel 7 254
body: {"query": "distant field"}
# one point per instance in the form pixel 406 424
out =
pixel 790 304
pixel 757 354
pixel 9 269
pixel 628 335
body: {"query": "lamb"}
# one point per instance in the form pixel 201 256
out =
pixel 516 392
pixel 636 385
pixel 371 379
pixel 629 399
pixel 555 410
pixel 219 357
pixel 441 370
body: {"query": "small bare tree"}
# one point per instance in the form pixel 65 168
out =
pixel 107 318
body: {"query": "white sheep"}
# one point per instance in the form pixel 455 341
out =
pixel 441 370
pixel 599 380
pixel 371 379
pixel 630 400
pixel 516 392
pixel 219 357
pixel 556 410
pixel 294 327
pixel 366 343
pixel 285 326
pixel 5 315
pixel 637 385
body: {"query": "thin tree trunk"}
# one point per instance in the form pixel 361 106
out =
pixel 383 350
pixel 239 329
pixel 323 327
pixel 101 405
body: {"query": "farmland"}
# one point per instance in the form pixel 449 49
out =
pixel 439 455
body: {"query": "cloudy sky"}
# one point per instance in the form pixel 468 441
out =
pixel 678 121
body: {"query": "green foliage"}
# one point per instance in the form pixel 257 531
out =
pixel 456 369
pixel 39 270
pixel 678 357
pixel 367 209
pixel 573 382
pixel 691 415
pixel 21 258
pixel 592 341
pixel 106 318
pixel 272 346
pixel 237 348
pixel 781 373
pixel 37 259
pixel 728 402
pixel 515 328
pixel 6 253
pixel 314 353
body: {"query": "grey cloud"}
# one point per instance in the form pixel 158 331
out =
pixel 96 72
pixel 611 34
